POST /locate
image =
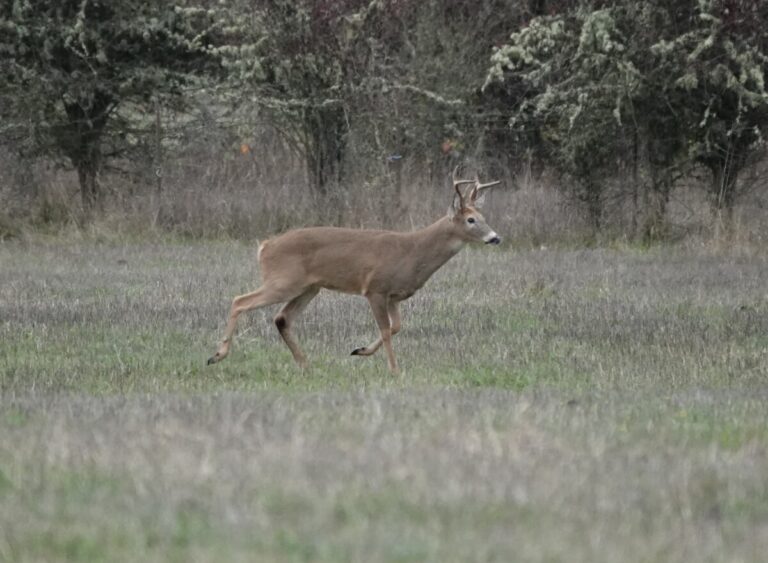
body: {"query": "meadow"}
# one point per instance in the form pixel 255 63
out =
pixel 599 404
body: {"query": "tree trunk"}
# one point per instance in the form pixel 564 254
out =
pixel 24 179
pixel 635 183
pixel 656 198
pixel 80 138
pixel 595 206
pixel 90 190
pixel 656 195
pixel 325 130
pixel 723 199
pixel 725 165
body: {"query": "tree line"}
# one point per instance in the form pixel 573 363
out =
pixel 642 94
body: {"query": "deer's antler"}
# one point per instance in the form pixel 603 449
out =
pixel 479 187
pixel 457 182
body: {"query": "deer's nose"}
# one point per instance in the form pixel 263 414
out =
pixel 493 239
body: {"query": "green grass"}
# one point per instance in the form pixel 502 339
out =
pixel 558 405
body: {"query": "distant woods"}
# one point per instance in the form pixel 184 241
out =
pixel 616 103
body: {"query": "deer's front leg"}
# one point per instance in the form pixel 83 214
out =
pixel 380 306
pixel 393 311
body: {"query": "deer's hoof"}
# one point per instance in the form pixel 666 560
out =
pixel 358 351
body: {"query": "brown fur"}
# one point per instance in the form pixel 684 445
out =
pixel 384 266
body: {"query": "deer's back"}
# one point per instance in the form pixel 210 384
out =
pixel 346 260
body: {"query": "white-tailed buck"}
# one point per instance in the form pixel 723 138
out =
pixel 386 267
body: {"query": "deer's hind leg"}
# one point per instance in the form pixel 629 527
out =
pixel 285 317
pixel 267 294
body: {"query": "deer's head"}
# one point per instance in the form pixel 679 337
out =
pixel 465 215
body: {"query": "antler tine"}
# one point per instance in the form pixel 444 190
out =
pixel 478 187
pixel 457 182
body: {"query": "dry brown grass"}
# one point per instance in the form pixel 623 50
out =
pixel 215 193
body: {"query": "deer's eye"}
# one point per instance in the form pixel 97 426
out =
pixel 471 220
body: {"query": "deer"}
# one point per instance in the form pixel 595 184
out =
pixel 385 267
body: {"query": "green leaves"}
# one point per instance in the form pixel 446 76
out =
pixel 530 51
pixel 684 79
pixel 71 66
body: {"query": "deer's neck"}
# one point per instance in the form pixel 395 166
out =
pixel 441 237
pixel 436 244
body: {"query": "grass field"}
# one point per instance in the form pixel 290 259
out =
pixel 555 405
